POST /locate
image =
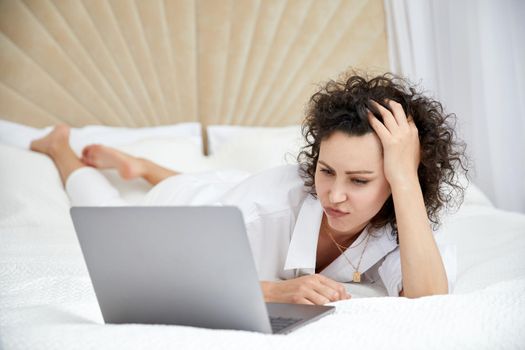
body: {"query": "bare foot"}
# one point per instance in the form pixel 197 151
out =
pixel 103 157
pixel 58 138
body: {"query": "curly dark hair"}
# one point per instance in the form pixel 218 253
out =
pixel 342 106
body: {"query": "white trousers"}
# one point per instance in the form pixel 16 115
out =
pixel 86 186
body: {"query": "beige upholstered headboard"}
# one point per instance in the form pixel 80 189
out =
pixel 155 62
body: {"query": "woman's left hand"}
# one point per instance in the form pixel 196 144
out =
pixel 400 140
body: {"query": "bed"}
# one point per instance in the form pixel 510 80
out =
pixel 191 85
pixel 47 300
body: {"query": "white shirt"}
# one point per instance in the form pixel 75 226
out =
pixel 283 221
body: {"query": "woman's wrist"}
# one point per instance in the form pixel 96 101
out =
pixel 267 289
pixel 405 183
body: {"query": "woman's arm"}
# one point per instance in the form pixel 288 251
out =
pixel 421 264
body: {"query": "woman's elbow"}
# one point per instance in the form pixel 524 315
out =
pixel 423 293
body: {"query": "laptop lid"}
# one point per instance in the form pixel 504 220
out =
pixel 172 265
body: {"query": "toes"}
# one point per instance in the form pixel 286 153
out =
pixel 88 155
pixel 86 161
pixel 90 151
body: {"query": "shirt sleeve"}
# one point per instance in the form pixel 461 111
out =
pixel 390 269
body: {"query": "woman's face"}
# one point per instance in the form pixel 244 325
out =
pixel 349 180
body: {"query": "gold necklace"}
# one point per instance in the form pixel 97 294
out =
pixel 349 247
pixel 357 274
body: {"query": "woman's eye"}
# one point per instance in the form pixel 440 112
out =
pixel 326 171
pixel 360 182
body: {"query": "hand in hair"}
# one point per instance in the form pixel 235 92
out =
pixel 399 137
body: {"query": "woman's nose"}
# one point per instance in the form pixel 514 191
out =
pixel 337 194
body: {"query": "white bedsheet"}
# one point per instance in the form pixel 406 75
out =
pixel 47 301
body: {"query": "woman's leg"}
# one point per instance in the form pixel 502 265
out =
pixel 84 185
pixel 129 167
pixel 56 146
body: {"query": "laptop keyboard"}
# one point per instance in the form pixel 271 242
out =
pixel 280 323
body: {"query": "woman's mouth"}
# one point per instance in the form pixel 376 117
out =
pixel 334 212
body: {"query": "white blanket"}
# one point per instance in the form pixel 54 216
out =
pixel 47 301
pixel 491 318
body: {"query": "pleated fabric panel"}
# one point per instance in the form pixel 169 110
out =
pixel 157 62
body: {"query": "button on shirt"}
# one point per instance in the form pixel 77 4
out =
pixel 282 222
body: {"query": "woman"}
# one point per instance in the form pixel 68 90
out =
pixel 360 206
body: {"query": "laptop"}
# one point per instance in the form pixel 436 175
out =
pixel 180 266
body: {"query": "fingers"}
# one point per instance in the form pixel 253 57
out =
pixel 337 289
pixel 411 123
pixel 381 130
pixel 398 112
pixel 321 290
pixel 326 293
pixel 314 297
pixel 388 119
pixel 311 289
pixel 307 302
pixel 394 116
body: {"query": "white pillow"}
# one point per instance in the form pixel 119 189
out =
pixel 473 194
pixel 19 135
pixel 253 148
pixel 183 154
pixel 30 182
pixel 31 193
pixel 177 146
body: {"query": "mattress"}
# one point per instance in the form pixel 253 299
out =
pixel 47 300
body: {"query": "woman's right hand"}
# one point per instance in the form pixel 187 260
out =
pixel 311 289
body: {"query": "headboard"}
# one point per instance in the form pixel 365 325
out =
pixel 156 62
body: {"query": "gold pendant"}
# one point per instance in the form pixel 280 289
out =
pixel 357 277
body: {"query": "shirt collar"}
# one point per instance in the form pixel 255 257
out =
pixel 302 250
pixel 303 246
